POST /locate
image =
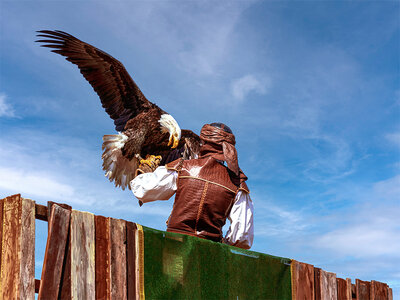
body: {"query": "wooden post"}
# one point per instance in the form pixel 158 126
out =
pixel 82 256
pixel 343 289
pixel 118 259
pixel 302 281
pixel 328 286
pixel 130 260
pixel 17 277
pixel 103 257
pixel 390 294
pixel 1 233
pixel 362 289
pixel 379 290
pixel 55 251
pixel 349 289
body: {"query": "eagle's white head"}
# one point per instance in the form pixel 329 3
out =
pixel 169 124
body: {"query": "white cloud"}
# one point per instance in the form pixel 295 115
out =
pixel 6 109
pixel 394 138
pixel 241 87
pixel 378 236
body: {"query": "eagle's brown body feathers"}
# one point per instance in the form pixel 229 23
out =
pixel 145 129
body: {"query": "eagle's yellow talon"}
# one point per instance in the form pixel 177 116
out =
pixel 151 160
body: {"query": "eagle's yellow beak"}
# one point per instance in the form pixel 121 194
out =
pixel 174 141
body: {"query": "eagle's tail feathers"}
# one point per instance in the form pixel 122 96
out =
pixel 117 167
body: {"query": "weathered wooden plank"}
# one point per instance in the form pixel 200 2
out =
pixel 50 205
pixel 328 287
pixel 1 231
pixel 302 281
pixel 118 259
pixel 317 284
pixel 41 212
pixel 130 260
pixel 349 289
pixel 10 259
pixel 362 289
pixel 18 246
pixel 65 284
pixel 27 264
pixel 379 290
pixel 139 262
pixel 390 294
pixel 37 285
pixel 103 256
pixel 82 255
pixel 343 289
pixel 55 251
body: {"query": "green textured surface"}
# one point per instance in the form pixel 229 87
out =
pixel 183 267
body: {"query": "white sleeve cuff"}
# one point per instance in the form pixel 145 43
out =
pixel 159 185
pixel 241 231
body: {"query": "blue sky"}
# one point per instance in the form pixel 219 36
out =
pixel 311 89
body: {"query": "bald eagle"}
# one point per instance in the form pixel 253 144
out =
pixel 146 133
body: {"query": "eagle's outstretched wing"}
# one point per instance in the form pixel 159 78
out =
pixel 146 131
pixel 119 94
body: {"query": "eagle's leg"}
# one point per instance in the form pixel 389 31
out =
pixel 151 161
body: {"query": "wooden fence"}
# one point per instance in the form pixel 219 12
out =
pixel 95 257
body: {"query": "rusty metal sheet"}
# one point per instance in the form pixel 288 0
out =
pixel 82 255
pixel 131 260
pixel 362 289
pixel 302 281
pixel 379 290
pixel 103 257
pixel 55 252
pixel 118 259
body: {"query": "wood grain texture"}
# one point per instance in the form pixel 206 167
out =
pixel 103 257
pixel 18 249
pixel 362 289
pixel 379 290
pixel 1 232
pixel 343 289
pixel 390 294
pixel 65 284
pixel 55 252
pixel 130 260
pixel 10 258
pixel 349 289
pixel 328 287
pixel 41 212
pixel 118 259
pixel 27 263
pixel 317 284
pixel 82 255
pixel 302 281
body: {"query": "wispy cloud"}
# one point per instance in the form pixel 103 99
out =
pixel 6 110
pixel 34 183
pixel 394 138
pixel 242 87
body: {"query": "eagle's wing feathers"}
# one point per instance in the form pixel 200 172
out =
pixel 119 94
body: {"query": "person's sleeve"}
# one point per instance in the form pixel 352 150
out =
pixel 241 231
pixel 159 185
